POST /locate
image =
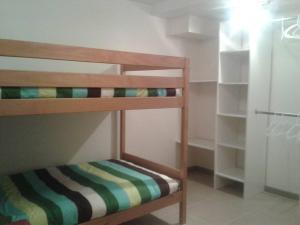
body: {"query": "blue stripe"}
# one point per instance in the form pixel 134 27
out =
pixel 162 92
pixel 8 209
pixel 131 92
pixel 66 206
pixel 79 93
pixel 28 92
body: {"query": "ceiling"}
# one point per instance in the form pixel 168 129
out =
pixel 217 9
pixel 149 2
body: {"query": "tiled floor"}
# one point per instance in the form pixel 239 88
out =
pixel 207 206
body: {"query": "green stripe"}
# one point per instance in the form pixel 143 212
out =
pixel 115 189
pixel 64 92
pixel 149 181
pixel 11 93
pixel 28 92
pixel 119 92
pixel 79 92
pixel 152 92
pixel 109 199
pixel 53 212
pixel 140 185
pixel 7 209
pixel 67 207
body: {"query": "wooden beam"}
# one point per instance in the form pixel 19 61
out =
pixel 138 211
pixel 14 107
pixel 122 123
pixel 143 68
pixel 184 142
pixel 14 78
pixel 25 49
pixel 171 172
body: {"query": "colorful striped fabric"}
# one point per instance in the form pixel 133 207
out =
pixel 34 93
pixel 68 195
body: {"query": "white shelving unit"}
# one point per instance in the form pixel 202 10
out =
pixel 232 115
pixel 234 84
pixel 239 146
pixel 232 107
pixel 235 174
pixel 203 97
pixel 202 110
pixel 203 86
pixel 245 60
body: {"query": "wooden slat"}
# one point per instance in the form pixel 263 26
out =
pixel 14 78
pixel 171 172
pixel 143 68
pixel 13 48
pixel 122 124
pixel 14 107
pixel 132 213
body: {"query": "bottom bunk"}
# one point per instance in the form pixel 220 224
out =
pixel 75 194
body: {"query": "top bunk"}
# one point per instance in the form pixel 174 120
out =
pixel 40 92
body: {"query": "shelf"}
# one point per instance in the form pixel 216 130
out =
pixel 200 143
pixel 203 81
pixel 233 115
pixel 234 83
pixel 235 146
pixel 236 174
pixel 236 52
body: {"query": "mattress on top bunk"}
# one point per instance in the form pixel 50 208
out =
pixel 72 194
pixel 63 92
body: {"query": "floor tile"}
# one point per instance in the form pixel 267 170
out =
pixel 207 206
pixel 169 215
pixel 147 220
pixel 264 219
pixel 215 212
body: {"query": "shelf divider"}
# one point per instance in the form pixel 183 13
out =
pixel 200 143
pixel 236 174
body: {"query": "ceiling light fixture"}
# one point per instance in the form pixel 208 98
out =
pixel 249 14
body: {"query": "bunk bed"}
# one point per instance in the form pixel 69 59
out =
pixel 41 93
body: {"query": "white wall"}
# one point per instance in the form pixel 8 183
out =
pixel 35 141
pixel 283 158
pixel 258 98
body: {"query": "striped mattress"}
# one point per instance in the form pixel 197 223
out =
pixel 63 92
pixel 72 194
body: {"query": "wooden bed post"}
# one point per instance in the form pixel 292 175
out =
pixel 122 122
pixel 184 142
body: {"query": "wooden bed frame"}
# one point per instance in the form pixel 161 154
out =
pixel 128 62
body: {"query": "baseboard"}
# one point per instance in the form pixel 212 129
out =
pixel 200 169
pixel 282 193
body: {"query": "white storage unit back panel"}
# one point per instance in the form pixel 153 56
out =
pixel 231 131
pixel 234 66
pixel 233 99
pixel 202 107
pixel 232 39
